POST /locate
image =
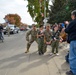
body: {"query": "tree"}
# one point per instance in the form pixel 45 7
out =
pixel 61 9
pixel 13 19
pixel 36 9
pixel 56 8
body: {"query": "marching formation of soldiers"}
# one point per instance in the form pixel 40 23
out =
pixel 43 37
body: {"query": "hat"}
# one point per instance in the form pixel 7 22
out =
pixel 47 24
pixel 33 25
pixel 73 13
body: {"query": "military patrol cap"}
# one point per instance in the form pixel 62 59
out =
pixel 33 25
pixel 47 24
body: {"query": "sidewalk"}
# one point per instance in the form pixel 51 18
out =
pixel 46 64
pixel 14 61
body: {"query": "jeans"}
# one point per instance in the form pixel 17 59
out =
pixel 1 35
pixel 72 56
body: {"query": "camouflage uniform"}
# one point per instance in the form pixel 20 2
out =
pixel 55 41
pixel 8 30
pixel 33 38
pixel 40 42
pixel 47 38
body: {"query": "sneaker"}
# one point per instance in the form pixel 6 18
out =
pixel 69 73
pixel 57 54
pixel 51 54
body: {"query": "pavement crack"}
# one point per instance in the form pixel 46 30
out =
pixel 57 67
pixel 48 68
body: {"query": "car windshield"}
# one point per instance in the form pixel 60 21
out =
pixel 11 26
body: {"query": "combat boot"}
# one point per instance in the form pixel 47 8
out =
pixel 27 51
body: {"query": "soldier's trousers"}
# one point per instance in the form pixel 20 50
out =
pixel 8 32
pixel 44 48
pixel 30 42
pixel 55 45
pixel 40 45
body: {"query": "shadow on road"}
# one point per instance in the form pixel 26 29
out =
pixel 33 58
pixel 13 61
pixel 36 61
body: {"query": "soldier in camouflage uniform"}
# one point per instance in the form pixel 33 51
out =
pixel 47 37
pixel 33 33
pixel 8 30
pixel 40 37
pixel 55 40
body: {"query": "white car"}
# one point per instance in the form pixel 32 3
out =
pixel 13 29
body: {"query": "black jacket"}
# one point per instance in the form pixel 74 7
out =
pixel 71 31
pixel 1 28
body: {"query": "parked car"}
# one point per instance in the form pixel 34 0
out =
pixel 13 29
pixel 22 29
pixel 18 29
pixel 4 30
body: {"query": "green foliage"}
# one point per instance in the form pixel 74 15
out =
pixel 61 9
pixel 36 9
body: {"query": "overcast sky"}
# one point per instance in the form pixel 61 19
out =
pixel 15 6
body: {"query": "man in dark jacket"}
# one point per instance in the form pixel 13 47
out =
pixel 71 31
pixel 1 28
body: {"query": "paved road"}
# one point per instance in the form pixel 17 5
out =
pixel 13 60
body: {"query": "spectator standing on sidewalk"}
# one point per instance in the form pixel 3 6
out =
pixel 71 31
pixel 1 31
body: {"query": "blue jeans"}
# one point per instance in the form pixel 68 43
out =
pixel 72 56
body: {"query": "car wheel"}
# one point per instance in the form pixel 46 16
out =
pixel 12 32
pixel 17 31
pixel 4 33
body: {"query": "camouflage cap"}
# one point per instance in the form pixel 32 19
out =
pixel 47 24
pixel 33 25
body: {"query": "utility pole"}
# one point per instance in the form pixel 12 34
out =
pixel 44 12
